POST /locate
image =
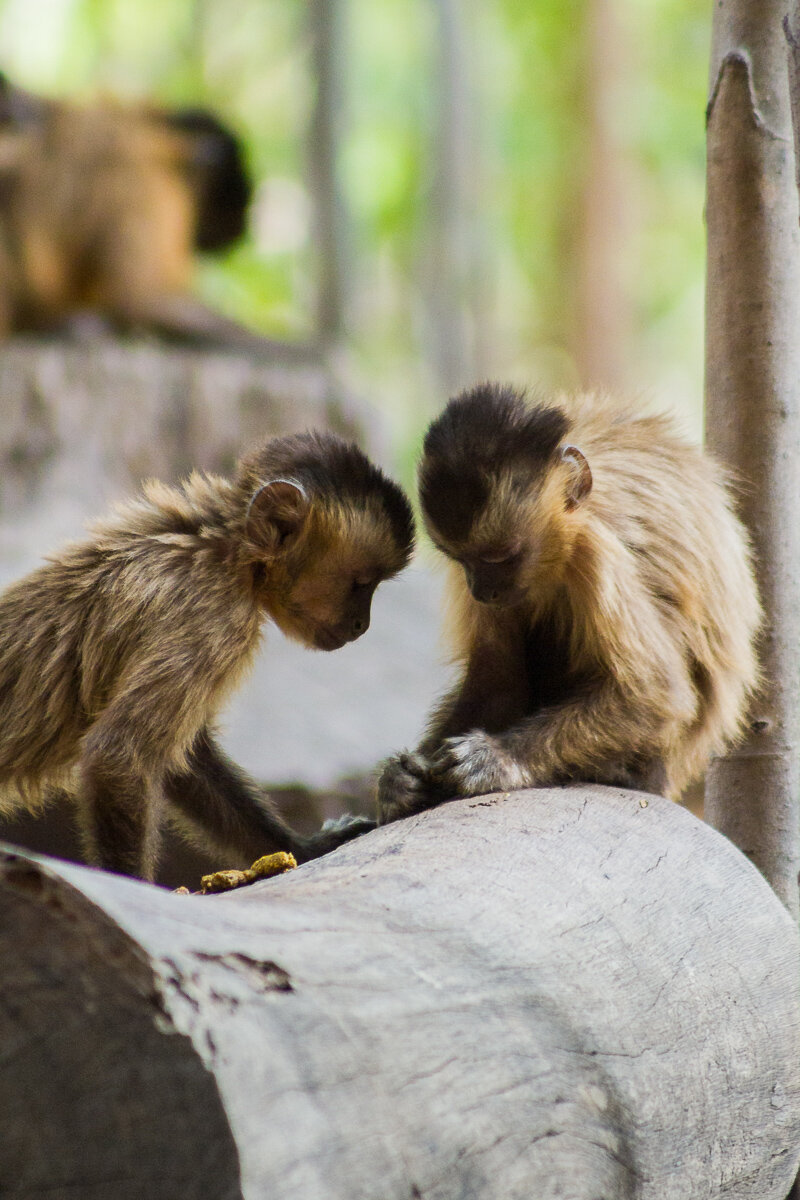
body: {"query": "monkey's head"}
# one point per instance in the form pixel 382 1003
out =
pixel 322 528
pixel 208 155
pixel 218 175
pixel 500 486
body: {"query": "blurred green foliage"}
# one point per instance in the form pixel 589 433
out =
pixel 526 67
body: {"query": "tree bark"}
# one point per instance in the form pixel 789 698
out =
pixel 753 409
pixel 451 251
pixel 326 30
pixel 603 305
pixel 573 993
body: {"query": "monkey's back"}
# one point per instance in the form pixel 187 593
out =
pixel 98 213
pixel 669 509
pixel 140 600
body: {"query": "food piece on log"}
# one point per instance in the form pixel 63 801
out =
pixel 263 868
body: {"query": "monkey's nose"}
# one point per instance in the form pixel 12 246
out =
pixel 360 625
pixel 485 595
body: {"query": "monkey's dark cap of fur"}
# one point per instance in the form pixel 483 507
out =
pixel 225 186
pixel 487 427
pixel 328 466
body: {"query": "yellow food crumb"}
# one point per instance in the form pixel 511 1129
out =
pixel 262 868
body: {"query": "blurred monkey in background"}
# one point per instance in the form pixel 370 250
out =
pixel 102 206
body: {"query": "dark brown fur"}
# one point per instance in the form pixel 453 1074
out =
pixel 604 604
pixel 116 655
pixel 102 206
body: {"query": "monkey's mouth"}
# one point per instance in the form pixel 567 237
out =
pixel 328 639
pixel 502 599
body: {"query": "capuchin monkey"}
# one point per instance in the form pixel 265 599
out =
pixel 102 206
pixel 116 655
pixel 603 601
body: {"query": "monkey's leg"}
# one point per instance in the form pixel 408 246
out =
pixel 604 736
pixel 118 815
pixel 217 798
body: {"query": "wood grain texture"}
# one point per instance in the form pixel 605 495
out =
pixel 575 993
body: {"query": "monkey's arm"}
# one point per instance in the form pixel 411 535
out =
pixel 602 735
pixel 217 798
pixel 491 695
pixel 226 809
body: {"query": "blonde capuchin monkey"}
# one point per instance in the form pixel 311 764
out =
pixel 116 655
pixel 603 599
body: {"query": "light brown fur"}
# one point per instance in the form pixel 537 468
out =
pixel 629 656
pixel 102 206
pixel 99 215
pixel 117 654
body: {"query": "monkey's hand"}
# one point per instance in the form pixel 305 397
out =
pixel 474 764
pixel 405 787
pixel 335 832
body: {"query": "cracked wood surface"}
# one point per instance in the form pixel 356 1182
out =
pixel 579 993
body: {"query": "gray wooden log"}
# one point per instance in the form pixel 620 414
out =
pixel 579 993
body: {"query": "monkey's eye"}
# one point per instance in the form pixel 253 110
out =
pixel 505 555
pixel 362 583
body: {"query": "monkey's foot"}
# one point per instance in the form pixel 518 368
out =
pixel 475 764
pixel 405 787
pixel 262 868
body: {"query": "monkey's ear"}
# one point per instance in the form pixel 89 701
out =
pixel 276 514
pixel 580 483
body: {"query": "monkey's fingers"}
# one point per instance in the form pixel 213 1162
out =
pixel 335 832
pixel 475 764
pixel 404 787
pixel 347 826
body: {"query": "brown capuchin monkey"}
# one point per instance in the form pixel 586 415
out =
pixel 102 206
pixel 603 601
pixel 116 655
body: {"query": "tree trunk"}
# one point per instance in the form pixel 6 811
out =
pixel 753 408
pixel 451 251
pixel 326 30
pixel 603 306
pixel 572 993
